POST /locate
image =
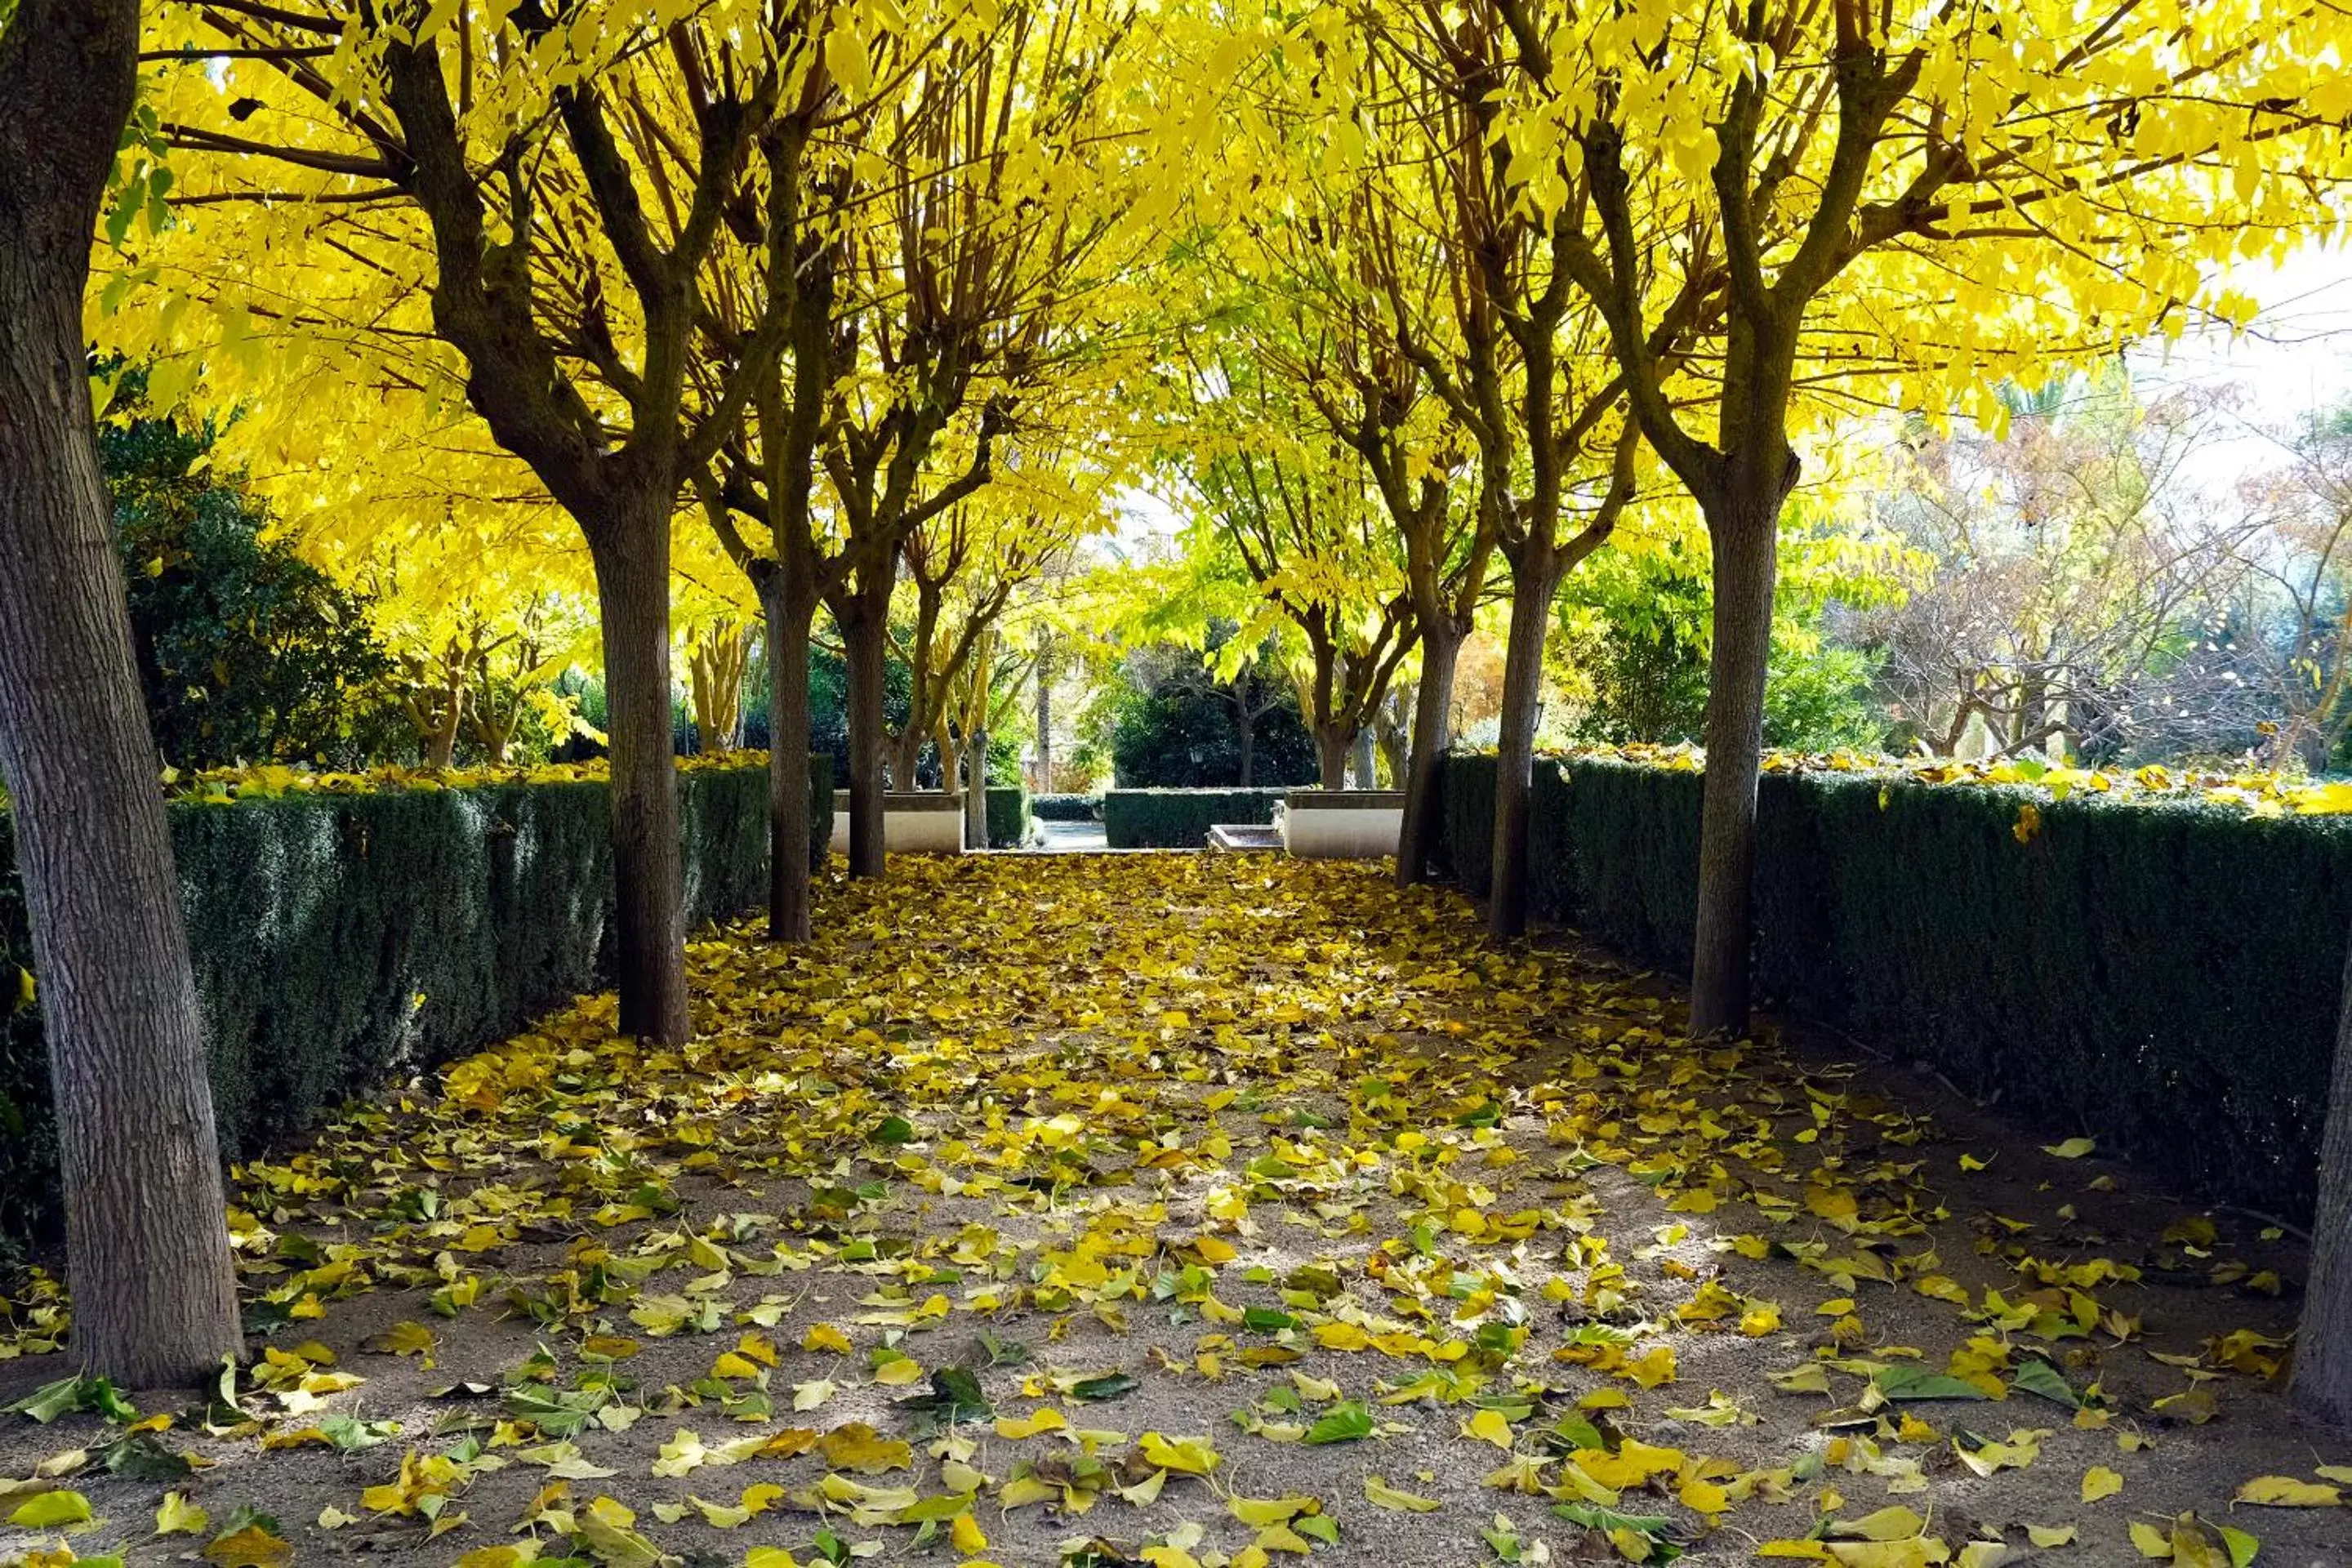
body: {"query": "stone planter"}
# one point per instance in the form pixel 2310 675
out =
pixel 1342 824
pixel 926 823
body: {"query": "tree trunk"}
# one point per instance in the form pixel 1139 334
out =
pixel 2323 1348
pixel 631 553
pixel 1044 714
pixel 1246 737
pixel 1424 807
pixel 441 750
pixel 975 791
pixel 863 634
pixel 1331 742
pixel 1743 538
pixel 1367 770
pixel 147 1254
pixel 1531 596
pixel 791 610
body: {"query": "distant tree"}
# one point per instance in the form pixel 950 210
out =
pixel 2075 567
pixel 1177 725
pixel 247 653
pixel 1637 624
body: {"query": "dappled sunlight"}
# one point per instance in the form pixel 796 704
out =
pixel 1185 1209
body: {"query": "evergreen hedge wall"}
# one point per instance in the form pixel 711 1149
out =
pixel 340 938
pixel 2165 978
pixel 1179 818
pixel 1064 808
pixel 1008 816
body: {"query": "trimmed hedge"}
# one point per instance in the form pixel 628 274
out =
pixel 340 937
pixel 2164 977
pixel 1179 818
pixel 1008 816
pixel 1066 807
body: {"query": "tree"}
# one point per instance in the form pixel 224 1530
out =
pixel 1173 723
pixel 527 145
pixel 1795 165
pixel 1288 506
pixel 2071 568
pixel 2286 640
pixel 147 1252
pixel 1534 393
pixel 976 568
pixel 717 662
pixel 1358 292
pixel 246 652
pixel 1634 628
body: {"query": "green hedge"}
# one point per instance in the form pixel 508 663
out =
pixel 1066 807
pixel 1179 818
pixel 2165 978
pixel 1008 816
pixel 337 939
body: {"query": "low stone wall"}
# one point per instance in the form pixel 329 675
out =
pixel 1341 824
pixel 925 822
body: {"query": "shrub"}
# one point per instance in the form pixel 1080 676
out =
pixel 1008 816
pixel 1066 807
pixel 338 938
pixel 2164 976
pixel 1179 818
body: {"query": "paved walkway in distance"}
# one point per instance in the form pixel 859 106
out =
pixel 1071 838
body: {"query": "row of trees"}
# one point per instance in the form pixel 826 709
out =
pixel 803 291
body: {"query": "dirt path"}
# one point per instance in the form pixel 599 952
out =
pixel 1185 1210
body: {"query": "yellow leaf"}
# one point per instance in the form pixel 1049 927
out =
pixel 252 1547
pixel 1044 1418
pixel 856 1446
pixel 1490 1426
pixel 404 1338
pixel 175 1515
pixel 49 1510
pixel 1260 1513
pixel 1380 1494
pixel 2285 1492
pixel 2099 1481
pixel 825 1337
pixel 1188 1456
pixel 2072 1148
pixel 2049 1535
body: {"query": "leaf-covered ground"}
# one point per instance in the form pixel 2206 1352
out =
pixel 1181 1209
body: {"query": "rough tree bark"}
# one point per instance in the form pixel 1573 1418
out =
pixel 1045 713
pixel 632 563
pixel 1743 529
pixel 975 791
pixel 146 1246
pixel 1532 588
pixel 1424 808
pixel 2323 1348
pixel 1367 770
pixel 790 612
pixel 863 613
pixel 1331 746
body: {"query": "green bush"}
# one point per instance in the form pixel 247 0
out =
pixel 1008 816
pixel 2163 977
pixel 339 939
pixel 1066 807
pixel 1179 818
